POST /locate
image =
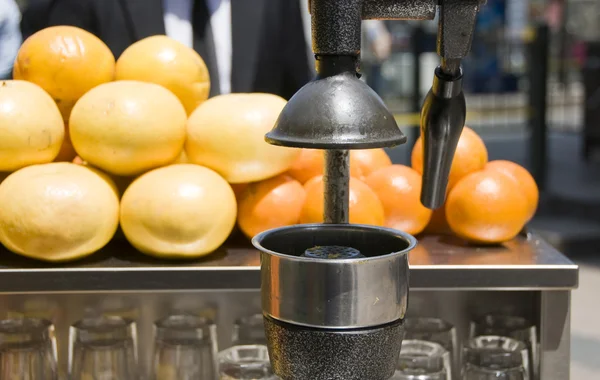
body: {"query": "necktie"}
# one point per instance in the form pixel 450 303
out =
pixel 204 42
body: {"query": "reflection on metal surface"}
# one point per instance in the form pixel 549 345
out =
pixel 437 262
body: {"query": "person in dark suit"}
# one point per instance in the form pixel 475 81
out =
pixel 248 45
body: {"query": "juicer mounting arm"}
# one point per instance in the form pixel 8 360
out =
pixel 342 36
pixel 336 32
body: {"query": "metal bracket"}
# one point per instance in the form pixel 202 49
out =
pixel 336 23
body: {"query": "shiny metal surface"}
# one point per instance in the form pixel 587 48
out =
pixel 336 180
pixel 437 262
pixel 555 335
pixel 442 121
pixel 336 294
pixel 336 111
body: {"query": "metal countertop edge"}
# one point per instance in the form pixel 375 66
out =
pixel 227 278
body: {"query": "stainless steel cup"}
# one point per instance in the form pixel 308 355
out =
pixel 334 318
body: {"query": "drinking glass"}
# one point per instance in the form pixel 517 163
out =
pixel 103 348
pixel 518 328
pixel 421 360
pixel 249 330
pixel 27 349
pixel 492 357
pixel 247 362
pixel 438 331
pixel 185 348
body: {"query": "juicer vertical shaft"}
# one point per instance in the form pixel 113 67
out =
pixel 336 180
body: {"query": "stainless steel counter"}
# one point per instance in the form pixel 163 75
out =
pixel 438 263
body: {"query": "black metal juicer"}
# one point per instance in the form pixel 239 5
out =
pixel 334 295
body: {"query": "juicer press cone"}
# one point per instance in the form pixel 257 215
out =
pixel 334 318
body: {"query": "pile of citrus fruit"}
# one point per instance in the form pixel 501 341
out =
pixel 88 144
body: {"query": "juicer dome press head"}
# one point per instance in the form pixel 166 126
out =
pixel 334 295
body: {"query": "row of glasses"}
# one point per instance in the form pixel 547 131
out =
pixel 499 347
pixel 105 348
pixel 27 350
pixel 485 358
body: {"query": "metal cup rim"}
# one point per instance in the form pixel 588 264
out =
pixel 410 240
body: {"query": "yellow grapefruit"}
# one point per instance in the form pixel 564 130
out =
pixel 31 128
pixel 227 134
pixel 57 211
pixel 178 211
pixel 128 127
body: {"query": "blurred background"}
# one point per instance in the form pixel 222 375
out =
pixel 532 83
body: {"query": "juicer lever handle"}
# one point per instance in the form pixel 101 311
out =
pixel 442 121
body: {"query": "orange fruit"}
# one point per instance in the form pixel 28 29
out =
pixel 438 224
pixel 31 128
pixel 399 189
pixel 471 155
pixel 65 61
pixel 313 180
pixel 368 161
pixel 67 152
pixel 272 203
pixel 311 163
pixel 487 207
pixel 521 176
pixel 169 63
pixel 238 189
pixel 365 206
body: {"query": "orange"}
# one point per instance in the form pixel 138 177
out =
pixel 67 152
pixel 311 163
pixel 164 61
pixel 313 180
pixel 365 206
pixel 65 61
pixel 438 224
pixel 227 134
pixel 471 155
pixel 399 189
pixel 238 189
pixel 272 203
pixel 487 207
pixel 521 176
pixel 368 161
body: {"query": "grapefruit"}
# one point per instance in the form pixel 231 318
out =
pixel 169 63
pixel 227 134
pixel 178 211
pixel 67 62
pixel 128 127
pixel 57 211
pixel 31 128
